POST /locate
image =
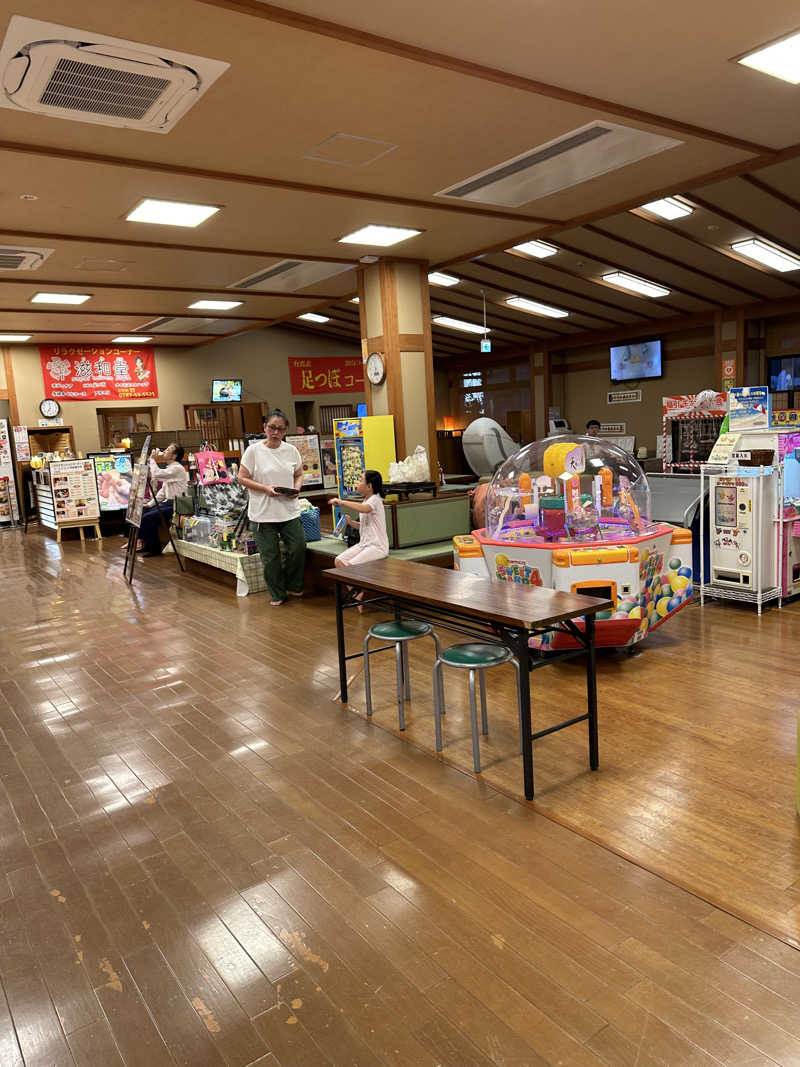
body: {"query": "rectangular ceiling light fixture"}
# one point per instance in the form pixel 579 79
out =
pixel 779 60
pixel 459 324
pixel 380 236
pixel 537 249
pixel 215 305
pixel 436 277
pixel 770 255
pixel 636 285
pixel 669 208
pixel 535 308
pixel 60 298
pixel 130 339
pixel 171 213
pixel 11 338
pixel 311 316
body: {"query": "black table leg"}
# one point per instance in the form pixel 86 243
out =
pixel 340 644
pixel 591 691
pixel 522 652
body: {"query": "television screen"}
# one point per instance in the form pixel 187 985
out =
pixel 784 373
pixel 629 362
pixel 223 389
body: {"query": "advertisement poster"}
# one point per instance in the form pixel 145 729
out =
pixel 345 375
pixel 707 403
pixel 9 510
pixel 328 453
pixel 211 469
pixel 750 408
pixel 114 474
pixel 138 486
pixel 74 486
pixel 308 447
pixel 86 372
pixel 22 444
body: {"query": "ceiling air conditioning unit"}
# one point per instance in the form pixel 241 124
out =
pixel 290 275
pixel 14 258
pixel 88 77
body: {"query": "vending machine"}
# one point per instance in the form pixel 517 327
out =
pixel 361 444
pixel 744 548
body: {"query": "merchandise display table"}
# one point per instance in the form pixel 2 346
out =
pixel 247 570
pixel 505 613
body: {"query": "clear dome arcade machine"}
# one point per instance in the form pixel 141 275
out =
pixel 572 513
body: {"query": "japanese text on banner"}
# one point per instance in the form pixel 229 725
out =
pixel 88 372
pixel 345 375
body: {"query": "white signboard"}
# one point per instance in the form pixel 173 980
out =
pixel 9 510
pixel 613 427
pixel 22 444
pixel 74 485
pixel 625 396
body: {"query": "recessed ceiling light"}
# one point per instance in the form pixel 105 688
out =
pixel 132 339
pixel 12 337
pixel 215 305
pixel 536 308
pixel 636 285
pixel 355 300
pixel 383 236
pixel 779 60
pixel 669 208
pixel 60 298
pixel 459 324
pixel 764 252
pixel 171 213
pixel 28 196
pixel 539 249
pixel 436 277
pixel 311 316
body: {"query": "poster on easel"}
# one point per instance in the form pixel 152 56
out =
pixel 9 508
pixel 114 474
pixel 307 444
pixel 74 486
pixel 138 486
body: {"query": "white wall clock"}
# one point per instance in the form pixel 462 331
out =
pixel 376 368
pixel 50 408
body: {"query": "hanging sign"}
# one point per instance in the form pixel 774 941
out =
pixel 625 396
pixel 344 375
pixel 85 372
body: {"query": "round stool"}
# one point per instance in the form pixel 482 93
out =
pixel 475 658
pixel 400 632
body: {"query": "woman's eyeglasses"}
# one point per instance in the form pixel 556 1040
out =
pixel 277 429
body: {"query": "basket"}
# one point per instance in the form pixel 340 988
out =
pixel 759 457
pixel 309 520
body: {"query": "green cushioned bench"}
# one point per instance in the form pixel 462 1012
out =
pixel 321 554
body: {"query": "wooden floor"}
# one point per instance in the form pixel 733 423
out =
pixel 206 860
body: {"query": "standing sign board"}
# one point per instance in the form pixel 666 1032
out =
pixel 138 486
pixel 308 447
pixel 9 509
pixel 750 408
pixel 75 496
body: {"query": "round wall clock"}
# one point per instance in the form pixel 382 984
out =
pixel 50 408
pixel 376 368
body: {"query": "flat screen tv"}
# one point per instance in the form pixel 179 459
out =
pixel 224 390
pixel 631 362
pixel 784 373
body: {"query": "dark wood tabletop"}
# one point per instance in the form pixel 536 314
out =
pixel 504 602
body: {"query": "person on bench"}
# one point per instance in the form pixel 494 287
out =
pixel 168 482
pixel 373 539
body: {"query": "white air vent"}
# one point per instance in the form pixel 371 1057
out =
pixel 575 157
pixel 14 258
pixel 290 275
pixel 167 324
pixel 87 77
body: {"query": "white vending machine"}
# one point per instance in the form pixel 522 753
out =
pixel 743 510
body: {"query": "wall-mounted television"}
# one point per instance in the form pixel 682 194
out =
pixel 630 362
pixel 784 373
pixel 225 390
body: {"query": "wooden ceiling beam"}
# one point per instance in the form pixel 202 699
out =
pixel 107 333
pixel 197 290
pixel 378 43
pixel 770 190
pixel 185 314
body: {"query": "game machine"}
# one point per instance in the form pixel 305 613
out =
pixel 572 513
pixel 365 443
pixel 486 444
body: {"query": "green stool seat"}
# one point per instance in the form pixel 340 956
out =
pixel 399 632
pixel 475 655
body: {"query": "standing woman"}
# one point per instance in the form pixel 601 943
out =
pixel 267 467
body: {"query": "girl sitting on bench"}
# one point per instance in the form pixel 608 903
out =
pixel 373 539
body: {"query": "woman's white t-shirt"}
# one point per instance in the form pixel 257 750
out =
pixel 272 466
pixel 372 525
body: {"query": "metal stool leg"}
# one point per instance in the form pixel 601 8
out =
pixel 473 714
pixel 484 720
pixel 519 710
pixel 367 678
pixel 438 702
pixel 406 671
pixel 438 648
pixel 398 656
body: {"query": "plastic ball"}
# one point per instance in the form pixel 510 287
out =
pixel 675 563
pixel 687 592
pixel 635 613
pixel 645 555
pixel 620 615
pixel 666 589
pixel 674 603
pixel 501 560
pixel 685 572
pixel 604 615
pixel 678 582
pixel 662 607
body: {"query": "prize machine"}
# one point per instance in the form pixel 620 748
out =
pixel 365 443
pixel 572 513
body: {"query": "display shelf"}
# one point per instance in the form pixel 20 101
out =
pixel 745 596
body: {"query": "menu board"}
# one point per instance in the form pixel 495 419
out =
pixel 114 474
pixel 9 511
pixel 74 486
pixel 22 444
pixel 307 444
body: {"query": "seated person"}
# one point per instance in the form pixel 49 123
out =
pixel 373 538
pixel 168 482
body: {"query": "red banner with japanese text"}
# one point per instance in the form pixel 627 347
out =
pixel 89 372
pixel 345 375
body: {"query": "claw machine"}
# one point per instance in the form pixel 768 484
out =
pixel 361 444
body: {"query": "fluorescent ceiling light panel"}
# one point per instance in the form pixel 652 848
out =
pixel 60 298
pixel 132 339
pixel 215 305
pixel 311 316
pixel 769 255
pixel 171 213
pixel 380 236
pixel 436 277
pixel 12 337
pixel 636 285
pixel 459 324
pixel 779 60
pixel 669 208
pixel 535 308
pixel 538 249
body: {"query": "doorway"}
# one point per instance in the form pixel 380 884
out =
pixel 116 423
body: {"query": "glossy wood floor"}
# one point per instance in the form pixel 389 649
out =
pixel 205 860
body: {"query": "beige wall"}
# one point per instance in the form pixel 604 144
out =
pixel 259 358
